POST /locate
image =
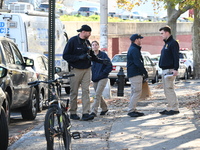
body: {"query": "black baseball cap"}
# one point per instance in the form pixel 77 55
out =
pixel 84 28
pixel 136 36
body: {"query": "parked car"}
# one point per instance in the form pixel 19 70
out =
pixel 41 68
pixel 19 95
pixel 120 60
pixel 155 59
pixel 88 11
pixel 43 7
pixel 186 58
pixel 3 119
pixel 182 71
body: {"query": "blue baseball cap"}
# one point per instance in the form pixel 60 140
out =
pixel 136 36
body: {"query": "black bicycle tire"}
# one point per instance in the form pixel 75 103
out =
pixel 66 135
pixel 66 123
pixel 3 130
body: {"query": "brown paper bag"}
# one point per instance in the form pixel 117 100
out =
pixel 145 91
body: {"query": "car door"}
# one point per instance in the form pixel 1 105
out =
pixel 149 67
pixel 43 64
pixel 13 70
pixel 21 76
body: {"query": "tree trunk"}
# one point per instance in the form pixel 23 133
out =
pixel 196 44
pixel 171 13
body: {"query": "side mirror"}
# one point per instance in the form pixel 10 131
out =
pixel 29 62
pixel 58 69
pixel 3 72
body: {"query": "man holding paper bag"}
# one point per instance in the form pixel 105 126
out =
pixel 136 73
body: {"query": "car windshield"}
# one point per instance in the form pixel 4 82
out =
pixel 182 56
pixel 119 58
pixel 44 6
pixel 84 9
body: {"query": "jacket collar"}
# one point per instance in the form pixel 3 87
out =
pixel 137 46
pixel 170 38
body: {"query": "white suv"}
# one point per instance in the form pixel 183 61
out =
pixel 186 58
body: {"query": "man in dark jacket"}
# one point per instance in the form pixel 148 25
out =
pixel 136 73
pixel 100 74
pixel 169 62
pixel 79 55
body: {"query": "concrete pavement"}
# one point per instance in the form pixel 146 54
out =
pixel 117 131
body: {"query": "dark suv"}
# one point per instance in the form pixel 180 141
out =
pixel 19 95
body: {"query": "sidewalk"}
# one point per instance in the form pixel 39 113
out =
pixel 117 131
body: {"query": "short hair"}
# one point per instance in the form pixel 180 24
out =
pixel 166 29
pixel 95 42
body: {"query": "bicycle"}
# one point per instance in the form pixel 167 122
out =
pixel 57 123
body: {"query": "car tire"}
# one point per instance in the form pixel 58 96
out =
pixel 185 75
pixel 7 107
pixel 40 102
pixel 67 90
pixel 3 130
pixel 112 82
pixel 31 112
pixel 189 72
pixel 155 80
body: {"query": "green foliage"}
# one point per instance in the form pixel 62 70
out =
pixel 79 18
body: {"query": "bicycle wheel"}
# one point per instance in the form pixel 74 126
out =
pixel 57 132
pixel 3 130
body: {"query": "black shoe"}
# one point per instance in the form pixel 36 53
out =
pixel 87 117
pixel 103 112
pixel 140 114
pixel 74 117
pixel 163 112
pixel 135 114
pixel 93 114
pixel 172 112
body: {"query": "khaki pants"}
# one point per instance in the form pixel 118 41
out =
pixel 168 85
pixel 99 100
pixel 136 92
pixel 82 77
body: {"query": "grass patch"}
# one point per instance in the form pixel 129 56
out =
pixel 92 18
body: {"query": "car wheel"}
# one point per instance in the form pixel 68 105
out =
pixel 189 73
pixel 155 79
pixel 112 82
pixel 67 90
pixel 185 75
pixel 31 112
pixel 40 102
pixel 7 108
pixel 3 130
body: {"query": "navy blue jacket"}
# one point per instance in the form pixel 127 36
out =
pixel 135 64
pixel 169 58
pixel 76 47
pixel 101 71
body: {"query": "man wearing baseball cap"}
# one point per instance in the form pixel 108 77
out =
pixel 136 73
pixel 78 54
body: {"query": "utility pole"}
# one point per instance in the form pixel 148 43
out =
pixel 51 43
pixel 104 25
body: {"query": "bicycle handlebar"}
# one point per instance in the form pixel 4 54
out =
pixel 51 81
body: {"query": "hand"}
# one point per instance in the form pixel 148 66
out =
pixel 83 56
pixel 145 77
pixel 175 72
pixel 106 62
pixel 89 57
